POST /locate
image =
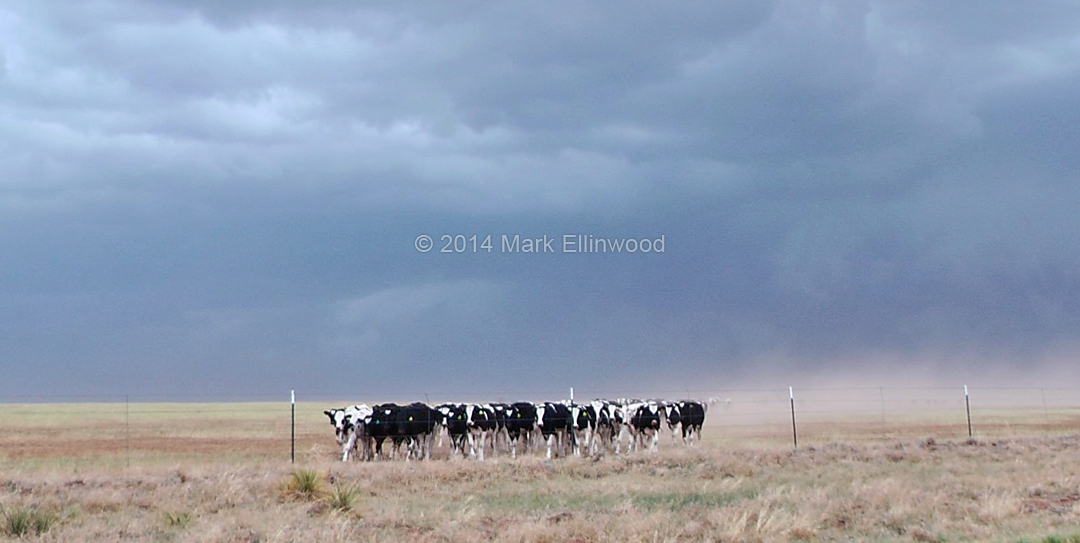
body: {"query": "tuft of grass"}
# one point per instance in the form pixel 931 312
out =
pixel 304 484
pixel 20 521
pixel 177 519
pixel 343 497
pixel 44 521
pixel 17 521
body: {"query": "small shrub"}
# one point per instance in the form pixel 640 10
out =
pixel 177 519
pixel 343 497
pixel 304 483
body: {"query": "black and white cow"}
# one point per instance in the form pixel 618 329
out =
pixel 643 421
pixel 482 427
pixel 520 422
pixel 606 425
pixel 350 429
pixel 692 418
pixel 382 425
pixel 337 420
pixel 621 415
pixel 673 414
pixel 455 419
pixel 500 440
pixel 567 428
pixel 553 420
pixel 582 428
pixel 415 425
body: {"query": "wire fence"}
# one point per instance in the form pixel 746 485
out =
pixel 122 431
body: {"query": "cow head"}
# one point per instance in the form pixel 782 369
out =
pixel 673 414
pixel 340 420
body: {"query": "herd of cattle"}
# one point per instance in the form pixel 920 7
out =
pixel 565 427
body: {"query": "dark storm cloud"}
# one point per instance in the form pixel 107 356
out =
pixel 222 197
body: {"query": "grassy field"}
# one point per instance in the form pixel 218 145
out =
pixel 221 472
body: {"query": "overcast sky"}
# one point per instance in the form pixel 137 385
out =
pixel 204 197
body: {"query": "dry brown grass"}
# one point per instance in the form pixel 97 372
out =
pixel 928 490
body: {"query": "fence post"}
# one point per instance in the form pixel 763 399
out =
pixel 794 432
pixel 967 404
pixel 881 393
pixel 127 427
pixel 571 422
pixel 292 439
pixel 1046 413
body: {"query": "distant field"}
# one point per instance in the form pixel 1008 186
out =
pixel 218 472
pixel 117 435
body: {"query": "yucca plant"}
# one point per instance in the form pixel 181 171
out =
pixel 343 497
pixel 304 483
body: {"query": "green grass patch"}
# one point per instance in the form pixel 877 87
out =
pixel 1074 538
pixel 541 501
pixel 675 501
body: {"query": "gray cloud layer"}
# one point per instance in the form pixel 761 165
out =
pixel 208 197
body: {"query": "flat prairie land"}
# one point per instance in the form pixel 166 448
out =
pixel 222 472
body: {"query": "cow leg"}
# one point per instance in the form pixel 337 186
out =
pixel 581 442
pixel 348 446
